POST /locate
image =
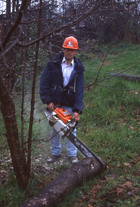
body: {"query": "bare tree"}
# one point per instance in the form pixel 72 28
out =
pixel 15 37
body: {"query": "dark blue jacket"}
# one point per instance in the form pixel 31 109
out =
pixel 52 89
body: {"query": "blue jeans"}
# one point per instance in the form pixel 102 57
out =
pixel 56 142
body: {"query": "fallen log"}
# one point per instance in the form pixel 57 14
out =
pixel 127 77
pixel 55 191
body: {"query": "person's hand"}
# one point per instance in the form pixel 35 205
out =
pixel 76 116
pixel 51 106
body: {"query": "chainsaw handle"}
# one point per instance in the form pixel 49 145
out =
pixel 76 123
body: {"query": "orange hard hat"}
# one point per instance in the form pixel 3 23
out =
pixel 71 43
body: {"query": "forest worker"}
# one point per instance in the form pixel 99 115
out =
pixel 62 84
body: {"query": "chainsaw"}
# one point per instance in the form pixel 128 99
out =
pixel 61 120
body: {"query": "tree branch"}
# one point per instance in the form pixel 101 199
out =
pixel 10 47
pixel 15 25
pixel 74 22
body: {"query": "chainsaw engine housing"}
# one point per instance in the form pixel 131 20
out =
pixel 60 120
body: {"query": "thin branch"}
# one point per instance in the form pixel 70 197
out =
pixel 72 23
pixel 15 25
pixel 33 95
pixel 10 47
pixel 96 79
pixel 108 77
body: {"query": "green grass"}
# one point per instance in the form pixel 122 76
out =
pixel 109 126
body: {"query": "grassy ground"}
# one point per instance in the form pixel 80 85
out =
pixel 109 126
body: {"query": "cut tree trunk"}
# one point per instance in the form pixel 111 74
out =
pixel 127 77
pixel 54 192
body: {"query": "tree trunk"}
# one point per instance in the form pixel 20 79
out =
pixel 18 158
pixel 33 94
pixel 8 6
pixel 127 77
pixel 53 193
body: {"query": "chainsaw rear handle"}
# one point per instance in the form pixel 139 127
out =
pixel 73 121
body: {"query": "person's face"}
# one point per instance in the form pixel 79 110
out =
pixel 69 53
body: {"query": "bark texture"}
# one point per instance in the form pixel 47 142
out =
pixel 54 192
pixel 18 158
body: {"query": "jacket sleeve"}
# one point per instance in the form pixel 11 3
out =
pixel 79 91
pixel 45 83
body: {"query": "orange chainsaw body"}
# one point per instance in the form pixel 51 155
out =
pixel 63 114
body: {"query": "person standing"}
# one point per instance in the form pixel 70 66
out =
pixel 62 85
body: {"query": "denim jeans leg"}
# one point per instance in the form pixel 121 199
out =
pixel 71 149
pixel 55 143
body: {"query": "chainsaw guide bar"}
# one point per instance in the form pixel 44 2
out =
pixel 61 120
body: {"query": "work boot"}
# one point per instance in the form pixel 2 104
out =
pixel 53 158
pixel 73 160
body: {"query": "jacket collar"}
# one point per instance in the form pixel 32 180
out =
pixel 71 63
pixel 78 66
